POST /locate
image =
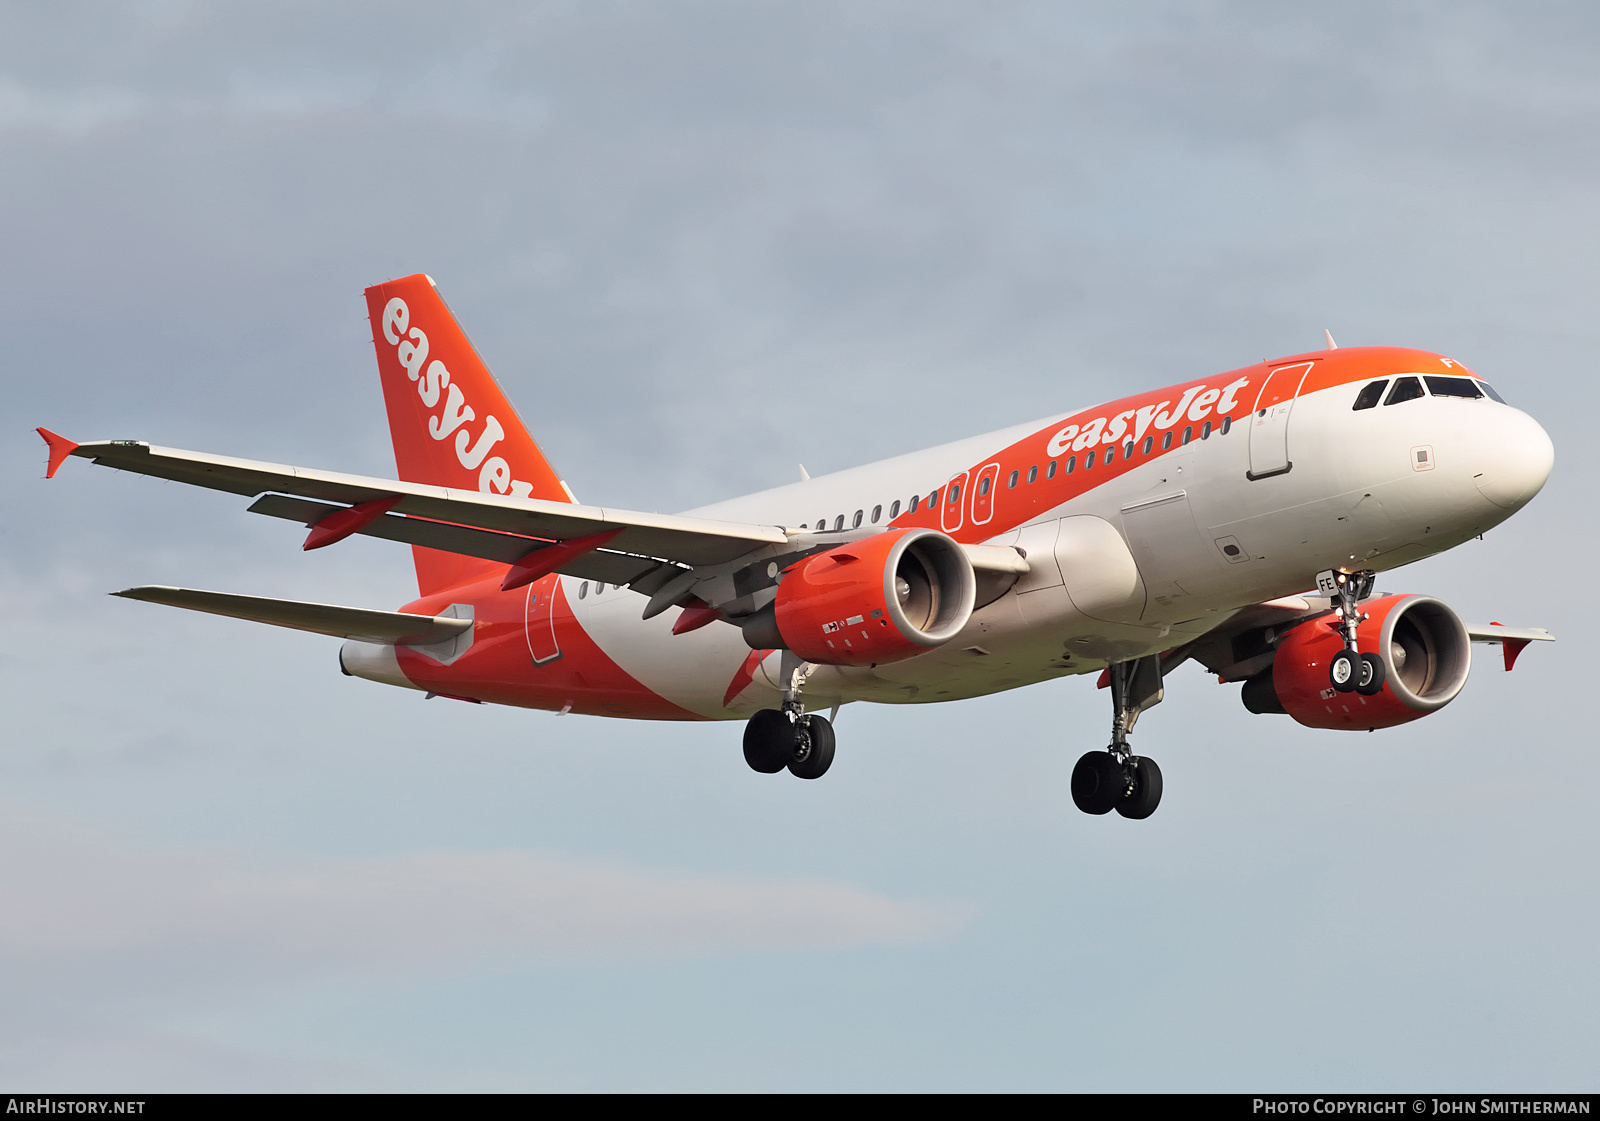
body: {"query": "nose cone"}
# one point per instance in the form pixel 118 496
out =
pixel 1514 460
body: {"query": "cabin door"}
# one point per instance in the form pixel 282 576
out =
pixel 540 620
pixel 1269 423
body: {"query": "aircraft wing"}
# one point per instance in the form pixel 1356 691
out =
pixel 644 537
pixel 1242 645
pixel 506 548
pixel 1498 632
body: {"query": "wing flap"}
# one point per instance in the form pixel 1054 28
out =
pixel 691 541
pixel 504 548
pixel 390 628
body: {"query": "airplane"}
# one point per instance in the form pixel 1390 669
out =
pixel 1238 521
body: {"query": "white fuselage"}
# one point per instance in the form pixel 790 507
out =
pixel 1155 556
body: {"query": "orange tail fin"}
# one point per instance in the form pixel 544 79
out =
pixel 451 424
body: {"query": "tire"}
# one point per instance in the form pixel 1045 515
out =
pixel 1146 794
pixel 1098 783
pixel 1372 675
pixel 1344 670
pixel 769 741
pixel 818 752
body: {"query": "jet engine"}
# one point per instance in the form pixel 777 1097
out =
pixel 879 599
pixel 1422 643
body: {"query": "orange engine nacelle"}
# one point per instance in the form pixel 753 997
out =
pixel 880 599
pixel 1426 656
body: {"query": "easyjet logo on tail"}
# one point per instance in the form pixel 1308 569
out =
pixel 455 419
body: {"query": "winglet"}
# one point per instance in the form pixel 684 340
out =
pixel 60 448
pixel 1511 647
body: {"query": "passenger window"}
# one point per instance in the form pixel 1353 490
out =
pixel 1149 442
pixel 856 524
pixel 822 524
pixel 1227 423
pixel 1369 395
pixel 1111 454
pixel 599 587
pixel 1012 482
pixel 916 500
pixel 1033 472
pixel 1127 450
pixel 838 523
pixel 933 499
pixel 1188 434
pixel 1452 387
pixel 983 486
pixel 955 493
pixel 583 590
pixel 1489 389
pixel 1088 461
pixel 894 510
pixel 1166 441
pixel 1072 461
pixel 1205 433
pixel 1405 389
pixel 877 512
pixel 1050 470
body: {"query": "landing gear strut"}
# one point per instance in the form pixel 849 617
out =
pixel 1117 779
pixel 1350 670
pixel 779 738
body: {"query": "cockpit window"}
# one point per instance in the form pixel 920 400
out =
pixel 1489 390
pixel 1370 396
pixel 1452 387
pixel 1405 389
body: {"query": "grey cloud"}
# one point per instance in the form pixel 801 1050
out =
pixel 438 911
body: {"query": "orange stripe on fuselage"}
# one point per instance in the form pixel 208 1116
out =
pixel 498 667
pixel 1329 369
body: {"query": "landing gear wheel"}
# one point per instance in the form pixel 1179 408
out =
pixel 769 741
pixel 1344 671
pixel 1098 783
pixel 1372 675
pixel 813 750
pixel 1142 801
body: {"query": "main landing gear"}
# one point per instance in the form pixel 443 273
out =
pixel 779 738
pixel 1349 670
pixel 1117 779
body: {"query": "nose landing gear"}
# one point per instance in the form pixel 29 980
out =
pixel 1117 779
pixel 1350 671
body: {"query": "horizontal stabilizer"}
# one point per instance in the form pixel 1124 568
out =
pixel 388 628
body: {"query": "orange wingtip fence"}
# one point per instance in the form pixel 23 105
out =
pixel 60 448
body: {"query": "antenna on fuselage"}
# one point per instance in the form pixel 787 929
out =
pixel 1327 334
pixel 805 476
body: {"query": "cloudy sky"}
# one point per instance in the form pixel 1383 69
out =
pixel 700 242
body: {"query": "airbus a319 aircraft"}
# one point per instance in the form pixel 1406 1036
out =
pixel 1121 540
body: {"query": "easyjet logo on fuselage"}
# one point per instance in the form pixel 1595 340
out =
pixel 433 382
pixel 1196 404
